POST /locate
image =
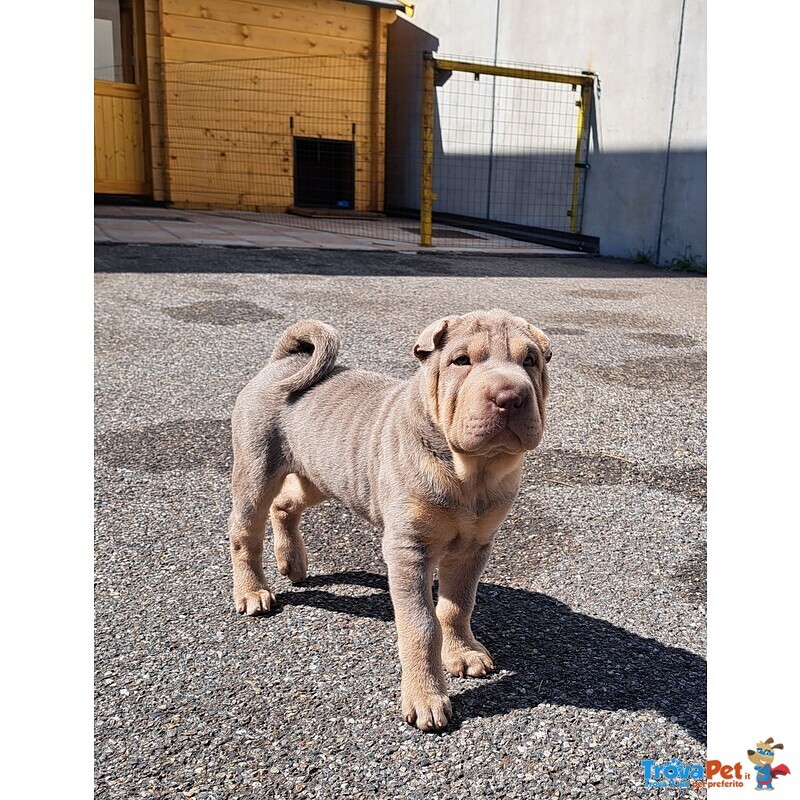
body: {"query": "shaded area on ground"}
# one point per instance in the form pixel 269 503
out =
pixel 194 444
pixel 221 312
pixel 553 654
pixel 124 258
pixel 654 372
pixel 179 445
pixel 601 469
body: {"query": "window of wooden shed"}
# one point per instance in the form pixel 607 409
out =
pixel 113 41
pixel 324 173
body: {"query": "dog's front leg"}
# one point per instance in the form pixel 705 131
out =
pixel 423 694
pixel 459 572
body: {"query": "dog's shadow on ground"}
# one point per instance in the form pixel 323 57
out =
pixel 548 654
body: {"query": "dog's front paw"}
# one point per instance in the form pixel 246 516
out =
pixel 472 662
pixel 429 711
pixel 261 601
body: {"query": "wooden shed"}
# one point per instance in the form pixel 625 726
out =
pixel 242 104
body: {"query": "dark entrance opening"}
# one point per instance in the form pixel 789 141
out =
pixel 324 173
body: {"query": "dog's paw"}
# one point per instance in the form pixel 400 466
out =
pixel 429 711
pixel 468 662
pixel 294 567
pixel 253 603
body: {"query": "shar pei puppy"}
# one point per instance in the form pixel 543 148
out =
pixel 434 461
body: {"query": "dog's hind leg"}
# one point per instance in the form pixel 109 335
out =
pixel 252 494
pixel 296 495
pixel 459 573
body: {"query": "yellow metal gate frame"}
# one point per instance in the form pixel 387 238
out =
pixel 431 64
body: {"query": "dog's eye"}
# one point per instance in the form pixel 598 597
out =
pixel 462 361
pixel 529 361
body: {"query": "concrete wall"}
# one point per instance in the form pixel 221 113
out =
pixel 646 191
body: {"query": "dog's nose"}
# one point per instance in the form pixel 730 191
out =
pixel 508 398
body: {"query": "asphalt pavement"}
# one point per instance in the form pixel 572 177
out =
pixel 593 603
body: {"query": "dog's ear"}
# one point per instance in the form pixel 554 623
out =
pixel 429 338
pixel 540 337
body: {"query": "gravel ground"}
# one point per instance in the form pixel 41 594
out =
pixel 593 603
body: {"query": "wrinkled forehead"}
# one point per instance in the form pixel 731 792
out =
pixel 486 337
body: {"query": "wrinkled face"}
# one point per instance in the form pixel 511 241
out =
pixel 486 381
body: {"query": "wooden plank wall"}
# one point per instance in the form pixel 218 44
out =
pixel 226 125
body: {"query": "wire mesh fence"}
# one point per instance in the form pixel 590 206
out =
pixel 335 143
pixel 505 147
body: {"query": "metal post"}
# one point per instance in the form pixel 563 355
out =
pixel 426 177
pixel 376 142
pixel 581 156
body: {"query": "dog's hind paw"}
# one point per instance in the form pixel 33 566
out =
pixel 294 568
pixel 254 603
pixel 468 663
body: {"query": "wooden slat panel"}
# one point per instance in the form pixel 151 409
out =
pixel 213 197
pixel 255 37
pixel 151 17
pixel 354 24
pixel 310 93
pixel 223 163
pixel 281 62
pixel 228 163
pixel 108 134
pixel 310 7
pixel 133 140
pixel 255 147
pixel 120 187
pixel 186 50
pixel 119 156
pixel 249 143
pixel 100 171
pixel 197 181
pixel 312 78
pixel 123 153
pixel 215 139
pixel 199 188
pixel 110 89
pixel 306 97
pixel 226 202
pixel 233 119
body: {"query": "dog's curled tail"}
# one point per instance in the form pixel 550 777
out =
pixel 313 338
